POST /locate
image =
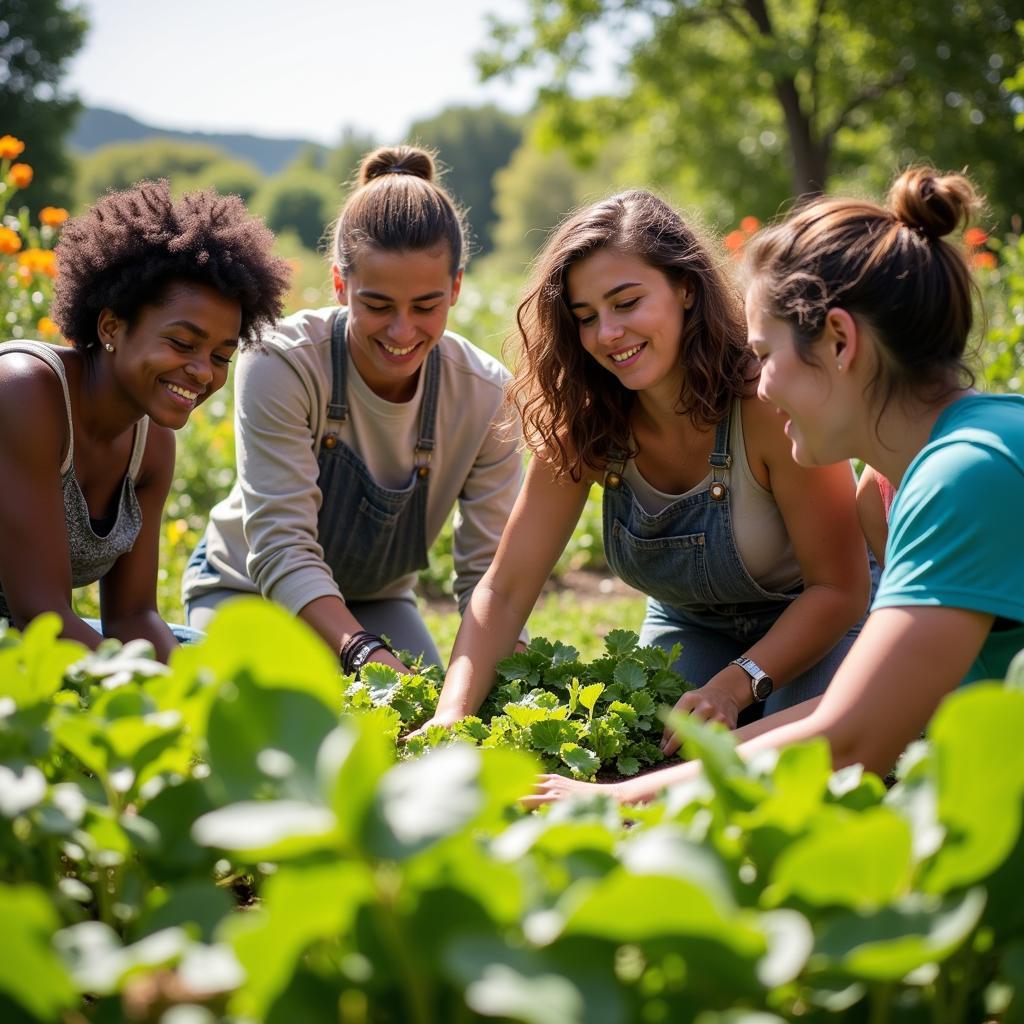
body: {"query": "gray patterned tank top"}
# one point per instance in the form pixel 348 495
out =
pixel 92 555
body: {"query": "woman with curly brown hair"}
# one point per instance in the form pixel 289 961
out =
pixel 635 374
pixel 860 316
pixel 153 296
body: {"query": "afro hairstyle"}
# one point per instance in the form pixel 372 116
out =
pixel 128 247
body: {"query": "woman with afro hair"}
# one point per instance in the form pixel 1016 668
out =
pixel 154 296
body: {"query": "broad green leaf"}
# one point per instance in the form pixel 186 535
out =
pixel 721 945
pixel 799 783
pixel 276 649
pixel 421 802
pixel 549 736
pixel 643 704
pixel 99 963
pixel 32 669
pixel 31 973
pixel 263 741
pixel 502 991
pixel 861 861
pixel 630 675
pixel 300 905
pixel 267 830
pixel 582 762
pixel 627 766
pixel 563 653
pixel 350 764
pixel 888 944
pixel 621 642
pixel 979 763
pixel 196 902
pixel 516 666
pixel 590 695
pixel 22 786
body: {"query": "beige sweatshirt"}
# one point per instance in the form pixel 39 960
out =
pixel 263 537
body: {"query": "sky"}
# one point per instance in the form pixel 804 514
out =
pixel 289 68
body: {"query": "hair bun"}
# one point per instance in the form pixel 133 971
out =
pixel 931 202
pixel 397 160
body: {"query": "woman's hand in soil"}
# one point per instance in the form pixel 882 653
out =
pixel 716 701
pixel 549 788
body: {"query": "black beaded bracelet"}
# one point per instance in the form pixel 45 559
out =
pixel 356 651
pixel 345 654
pixel 363 652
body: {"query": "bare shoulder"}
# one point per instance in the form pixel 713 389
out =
pixel 32 409
pixel 158 459
pixel 763 434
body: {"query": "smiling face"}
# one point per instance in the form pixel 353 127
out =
pixel 805 395
pixel 398 305
pixel 630 318
pixel 177 351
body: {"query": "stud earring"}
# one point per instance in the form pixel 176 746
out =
pixel 839 367
pixel 109 347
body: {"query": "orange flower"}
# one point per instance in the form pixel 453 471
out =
pixel 734 241
pixel 40 261
pixel 975 237
pixel 10 147
pixel 20 175
pixel 749 225
pixel 53 216
pixel 47 327
pixel 10 241
pixel 984 261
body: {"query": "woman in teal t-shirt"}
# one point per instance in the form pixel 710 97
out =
pixel 860 315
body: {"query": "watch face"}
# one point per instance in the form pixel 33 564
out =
pixel 762 687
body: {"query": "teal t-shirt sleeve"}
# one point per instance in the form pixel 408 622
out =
pixel 954 535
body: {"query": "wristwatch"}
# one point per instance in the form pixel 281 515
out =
pixel 761 684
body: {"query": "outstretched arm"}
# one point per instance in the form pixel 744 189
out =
pixel 898 670
pixel 538 529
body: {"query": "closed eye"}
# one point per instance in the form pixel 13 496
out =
pixel 628 303
pixel 181 346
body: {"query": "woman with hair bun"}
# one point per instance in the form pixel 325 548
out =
pixel 635 374
pixel 860 317
pixel 153 295
pixel 359 427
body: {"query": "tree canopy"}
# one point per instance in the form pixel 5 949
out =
pixel 764 99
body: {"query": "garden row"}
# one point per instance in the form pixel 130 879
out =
pixel 236 838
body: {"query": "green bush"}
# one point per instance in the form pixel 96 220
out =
pixel 212 835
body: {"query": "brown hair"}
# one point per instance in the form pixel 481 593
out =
pixel 887 266
pixel 398 206
pixel 574 410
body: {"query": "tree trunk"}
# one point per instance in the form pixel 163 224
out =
pixel 809 156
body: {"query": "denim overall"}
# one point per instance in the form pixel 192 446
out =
pixel 699 592
pixel 370 535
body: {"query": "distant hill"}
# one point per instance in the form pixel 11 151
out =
pixel 98 127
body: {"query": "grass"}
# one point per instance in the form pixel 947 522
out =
pixel 582 620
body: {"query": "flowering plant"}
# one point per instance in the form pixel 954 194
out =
pixel 27 262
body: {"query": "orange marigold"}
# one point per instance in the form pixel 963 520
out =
pixel 20 175
pixel 975 237
pixel 984 261
pixel 749 225
pixel 10 241
pixel 53 216
pixel 40 261
pixel 47 327
pixel 735 240
pixel 10 147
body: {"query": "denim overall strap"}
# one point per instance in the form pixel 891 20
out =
pixel 337 407
pixel 372 535
pixel 685 555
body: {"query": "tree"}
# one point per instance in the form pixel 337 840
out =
pixel 769 97
pixel 473 143
pixel 299 199
pixel 37 39
pixel 187 165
